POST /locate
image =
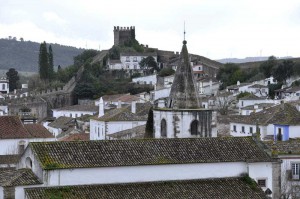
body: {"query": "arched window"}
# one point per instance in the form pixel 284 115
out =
pixel 28 162
pixel 163 128
pixel 194 127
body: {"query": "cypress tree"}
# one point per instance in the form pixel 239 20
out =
pixel 51 66
pixel 43 61
pixel 149 125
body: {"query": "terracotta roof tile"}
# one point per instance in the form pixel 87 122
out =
pixel 38 131
pixel 106 153
pixel 9 159
pixel 224 188
pixel 18 177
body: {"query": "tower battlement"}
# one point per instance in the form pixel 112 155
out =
pixel 123 34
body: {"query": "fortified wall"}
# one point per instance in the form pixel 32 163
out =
pixel 123 34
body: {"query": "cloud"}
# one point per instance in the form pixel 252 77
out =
pixel 53 17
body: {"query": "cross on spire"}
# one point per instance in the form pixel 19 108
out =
pixel 184 30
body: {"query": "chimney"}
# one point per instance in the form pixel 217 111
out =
pixel 101 107
pixel 255 107
pixel 15 91
pixel 238 83
pixel 133 106
pixel 161 103
pixel 210 83
pixel 119 104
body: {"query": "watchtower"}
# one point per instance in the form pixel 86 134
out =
pixel 123 34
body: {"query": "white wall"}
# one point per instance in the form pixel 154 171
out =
pixel 151 79
pixel 99 129
pixel 11 146
pixel 73 114
pixel 162 93
pixel 183 122
pixel 1 193
pixel 244 103
pixel 145 173
pixel 261 171
pixel 294 131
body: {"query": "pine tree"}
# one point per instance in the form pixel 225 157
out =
pixel 43 62
pixel 13 78
pixel 51 66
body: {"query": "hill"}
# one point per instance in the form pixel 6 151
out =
pixel 23 55
pixel 247 59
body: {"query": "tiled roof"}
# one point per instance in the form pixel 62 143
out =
pixel 82 154
pixel 292 89
pixel 82 108
pixel 77 137
pixel 62 122
pixel 224 188
pixel 9 159
pixel 251 97
pixel 125 114
pixel 258 86
pixel 11 127
pixel 18 177
pixel 291 147
pixel 38 131
pixel 136 132
pixel 284 114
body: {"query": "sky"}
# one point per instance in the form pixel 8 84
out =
pixel 214 28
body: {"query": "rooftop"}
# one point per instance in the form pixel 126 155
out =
pixel 62 122
pixel 82 108
pixel 284 114
pixel 11 127
pixel 21 177
pixel 225 188
pixel 136 132
pixel 110 153
pixel 291 147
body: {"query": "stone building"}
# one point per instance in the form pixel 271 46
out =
pixel 181 115
pixel 123 34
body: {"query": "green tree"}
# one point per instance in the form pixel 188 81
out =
pixel 50 65
pixel 13 78
pixel 43 62
pixel 149 64
pixel 267 67
pixel 229 74
pixel 283 71
pixel 149 125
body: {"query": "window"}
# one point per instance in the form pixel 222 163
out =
pixel 251 129
pixel 70 114
pixel 127 59
pixel 98 132
pixel 135 66
pixel 163 128
pixel 28 162
pixel 199 67
pixel 3 86
pixel 194 127
pixel 261 182
pixel 134 59
pixel 243 129
pixel 234 128
pixel 127 65
pixel 75 114
pixel 295 171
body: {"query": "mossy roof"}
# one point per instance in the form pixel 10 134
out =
pixel 283 114
pixel 21 177
pixel 290 147
pixel 110 153
pixel 224 188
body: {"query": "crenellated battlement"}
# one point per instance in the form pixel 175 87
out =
pixel 123 34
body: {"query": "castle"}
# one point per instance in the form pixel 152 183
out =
pixel 123 34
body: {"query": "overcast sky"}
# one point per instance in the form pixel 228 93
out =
pixel 214 28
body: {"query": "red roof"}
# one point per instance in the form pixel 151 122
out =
pixel 11 127
pixel 77 137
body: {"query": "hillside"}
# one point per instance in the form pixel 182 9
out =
pixel 23 55
pixel 247 59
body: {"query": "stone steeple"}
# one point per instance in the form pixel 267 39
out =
pixel 183 93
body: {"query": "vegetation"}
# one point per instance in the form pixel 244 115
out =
pixel 242 94
pixel 248 180
pixel 267 67
pixel 149 64
pixel 23 55
pixel 272 88
pixel 13 78
pixel 283 71
pixel 149 125
pixel 44 62
pixel 166 72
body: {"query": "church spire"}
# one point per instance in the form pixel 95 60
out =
pixel 183 93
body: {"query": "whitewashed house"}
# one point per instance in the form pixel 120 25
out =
pixel 149 161
pixel 208 86
pixel 119 99
pixel 61 125
pixel 288 94
pixel 278 122
pixel 247 110
pixel 4 85
pixel 259 90
pixel 119 119
pixel 75 111
pixel 289 153
pixel 238 88
pixel 15 136
pixel 252 100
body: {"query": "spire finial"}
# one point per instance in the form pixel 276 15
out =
pixel 184 41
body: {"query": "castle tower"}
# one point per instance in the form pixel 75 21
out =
pixel 183 116
pixel 123 34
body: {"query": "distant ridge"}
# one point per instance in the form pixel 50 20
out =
pixel 23 55
pixel 248 59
